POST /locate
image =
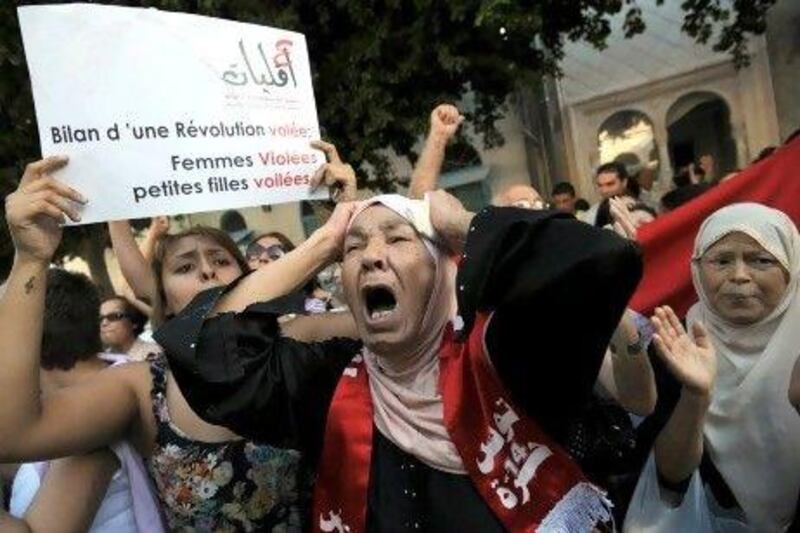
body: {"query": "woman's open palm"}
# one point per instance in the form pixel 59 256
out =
pixel 693 362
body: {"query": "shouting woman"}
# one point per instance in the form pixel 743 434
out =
pixel 464 381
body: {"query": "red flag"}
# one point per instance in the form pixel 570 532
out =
pixel 667 243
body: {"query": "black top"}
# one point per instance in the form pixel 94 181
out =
pixel 557 286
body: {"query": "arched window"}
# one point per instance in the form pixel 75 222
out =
pixel 627 136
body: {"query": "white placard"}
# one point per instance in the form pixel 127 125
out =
pixel 165 113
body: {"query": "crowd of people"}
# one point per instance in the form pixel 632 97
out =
pixel 411 365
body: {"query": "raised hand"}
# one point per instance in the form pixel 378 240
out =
pixel 624 226
pixel 692 362
pixel 158 226
pixel 335 174
pixel 38 208
pixel 445 120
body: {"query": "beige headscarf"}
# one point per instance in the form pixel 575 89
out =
pixel 752 433
pixel 407 403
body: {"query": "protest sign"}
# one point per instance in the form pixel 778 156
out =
pixel 166 113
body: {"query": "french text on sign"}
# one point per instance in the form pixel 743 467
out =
pixel 179 137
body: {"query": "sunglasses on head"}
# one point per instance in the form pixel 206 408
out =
pixel 113 317
pixel 274 251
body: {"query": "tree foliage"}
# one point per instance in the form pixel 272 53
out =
pixel 379 66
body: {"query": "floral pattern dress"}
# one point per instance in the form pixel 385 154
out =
pixel 222 487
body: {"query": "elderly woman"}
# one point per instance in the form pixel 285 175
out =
pixel 728 459
pixel 438 404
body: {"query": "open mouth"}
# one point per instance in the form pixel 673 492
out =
pixel 379 301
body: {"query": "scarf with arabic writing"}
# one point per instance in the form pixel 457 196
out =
pixel 523 475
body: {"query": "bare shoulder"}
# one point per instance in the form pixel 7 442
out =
pixel 134 377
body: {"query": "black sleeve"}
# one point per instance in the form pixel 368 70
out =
pixel 238 371
pixel 557 288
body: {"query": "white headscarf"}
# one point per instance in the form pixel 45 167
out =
pixel 752 433
pixel 407 403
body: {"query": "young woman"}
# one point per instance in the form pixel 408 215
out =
pixel 206 476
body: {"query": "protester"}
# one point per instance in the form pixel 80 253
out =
pixel 400 287
pixel 628 380
pixel 603 217
pixel 727 458
pixel 611 180
pixel 267 247
pixel 564 197
pixel 121 323
pixel 206 476
pixel 444 123
pixel 520 195
pixel 95 492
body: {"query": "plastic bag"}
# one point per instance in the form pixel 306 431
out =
pixel 650 513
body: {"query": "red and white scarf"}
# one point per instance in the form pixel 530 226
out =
pixel 526 478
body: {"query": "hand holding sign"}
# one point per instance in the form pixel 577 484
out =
pixel 158 226
pixel 335 174
pixel 222 118
pixel 38 208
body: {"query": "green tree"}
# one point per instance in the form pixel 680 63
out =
pixel 379 66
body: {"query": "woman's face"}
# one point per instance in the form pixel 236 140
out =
pixel 192 265
pixel 743 281
pixel 388 276
pixel 116 328
pixel 263 251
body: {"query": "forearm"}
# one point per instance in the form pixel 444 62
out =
pixel 635 383
pixel 71 493
pixel 135 268
pixel 21 312
pixel 149 246
pixel 318 328
pixel 279 278
pixel 679 446
pixel 141 306
pixel 428 167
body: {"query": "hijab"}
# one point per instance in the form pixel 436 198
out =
pixel 751 431
pixel 407 402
